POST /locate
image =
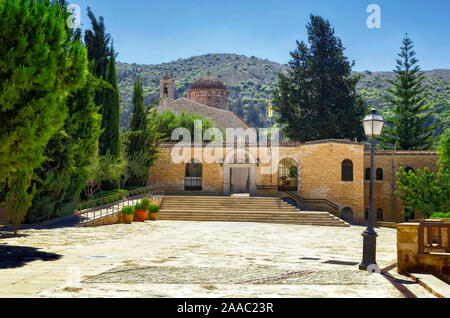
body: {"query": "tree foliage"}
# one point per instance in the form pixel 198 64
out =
pixel 407 129
pixel 63 175
pixel 167 121
pixel 39 65
pixel 317 97
pixel 444 149
pixel 425 191
pixel 19 196
pixel 109 141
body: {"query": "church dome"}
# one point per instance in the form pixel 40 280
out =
pixel 208 83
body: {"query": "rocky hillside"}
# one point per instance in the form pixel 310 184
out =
pixel 250 80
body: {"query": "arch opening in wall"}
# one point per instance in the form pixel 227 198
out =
pixel 287 175
pixel 408 169
pixel 379 174
pixel 193 176
pixel 380 215
pixel 347 215
pixel 347 170
pixel 367 174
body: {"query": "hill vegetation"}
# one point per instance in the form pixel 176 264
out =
pixel 251 80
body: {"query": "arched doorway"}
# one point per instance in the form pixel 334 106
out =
pixel 347 215
pixel 193 176
pixel 287 175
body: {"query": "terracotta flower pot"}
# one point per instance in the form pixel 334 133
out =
pixel 127 218
pixel 141 215
pixel 153 216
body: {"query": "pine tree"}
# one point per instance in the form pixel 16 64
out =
pixel 109 141
pixel 40 65
pixel 407 130
pixel 317 98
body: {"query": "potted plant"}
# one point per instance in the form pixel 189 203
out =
pixel 153 215
pixel 127 214
pixel 142 209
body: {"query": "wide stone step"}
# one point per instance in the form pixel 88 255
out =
pixel 273 221
pixel 227 207
pixel 241 209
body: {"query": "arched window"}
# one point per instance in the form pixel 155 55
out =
pixel 347 215
pixel 347 170
pixel 379 174
pixel 380 215
pixel 193 176
pixel 408 169
pixel 166 91
pixel 367 175
pixel 287 175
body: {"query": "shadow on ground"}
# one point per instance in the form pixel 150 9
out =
pixel 69 221
pixel 18 256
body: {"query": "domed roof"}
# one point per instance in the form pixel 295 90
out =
pixel 208 83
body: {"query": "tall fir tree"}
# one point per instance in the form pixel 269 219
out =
pixel 406 130
pixel 317 98
pixel 109 141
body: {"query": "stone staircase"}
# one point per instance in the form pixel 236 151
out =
pixel 241 209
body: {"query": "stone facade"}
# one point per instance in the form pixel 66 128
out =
pixel 384 190
pixel 319 165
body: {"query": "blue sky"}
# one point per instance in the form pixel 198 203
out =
pixel 156 31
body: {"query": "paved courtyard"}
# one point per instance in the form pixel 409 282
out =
pixel 198 259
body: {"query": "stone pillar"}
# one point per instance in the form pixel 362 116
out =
pixel 408 248
pixel 226 180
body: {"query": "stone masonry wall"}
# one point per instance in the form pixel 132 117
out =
pixel 384 190
pixel 320 175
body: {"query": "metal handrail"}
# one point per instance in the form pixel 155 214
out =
pixel 119 201
pixel 327 202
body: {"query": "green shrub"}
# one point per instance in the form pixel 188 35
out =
pixel 153 209
pixel 128 210
pixel 440 215
pixel 138 206
pixel 145 204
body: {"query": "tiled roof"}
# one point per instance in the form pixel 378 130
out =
pixel 208 83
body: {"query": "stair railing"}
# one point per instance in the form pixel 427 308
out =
pixel 96 209
pixel 304 200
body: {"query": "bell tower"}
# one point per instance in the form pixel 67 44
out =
pixel 167 87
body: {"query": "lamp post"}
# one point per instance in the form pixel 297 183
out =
pixel 373 127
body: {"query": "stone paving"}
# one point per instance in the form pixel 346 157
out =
pixel 196 259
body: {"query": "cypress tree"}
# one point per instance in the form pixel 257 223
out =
pixel 63 175
pixel 317 98
pixel 406 130
pixel 39 66
pixel 109 141
pixel 138 120
pixel 97 43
